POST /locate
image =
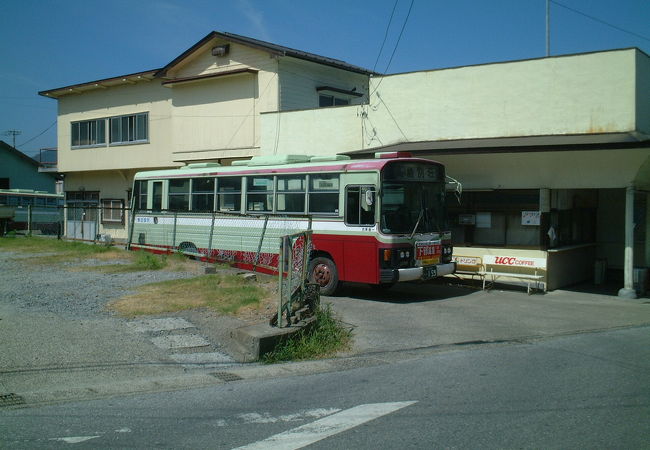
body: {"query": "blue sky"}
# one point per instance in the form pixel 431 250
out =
pixel 46 44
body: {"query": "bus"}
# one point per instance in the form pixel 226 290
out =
pixel 45 208
pixel 377 221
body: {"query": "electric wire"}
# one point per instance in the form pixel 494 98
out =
pixel 381 49
pixel 596 19
pixel 38 135
pixel 408 14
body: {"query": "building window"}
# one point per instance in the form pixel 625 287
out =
pixel 330 100
pixel 113 211
pixel 4 183
pixel 129 129
pixel 88 133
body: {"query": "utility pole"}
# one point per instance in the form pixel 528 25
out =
pixel 548 28
pixel 13 133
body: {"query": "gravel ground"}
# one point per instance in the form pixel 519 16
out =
pixel 68 292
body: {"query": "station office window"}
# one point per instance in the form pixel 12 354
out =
pixel 88 133
pixel 330 100
pixel 113 211
pixel 129 129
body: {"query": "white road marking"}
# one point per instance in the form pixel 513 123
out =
pixel 74 439
pixel 328 426
pixel 165 324
pixel 123 430
pixel 267 418
pixel 180 341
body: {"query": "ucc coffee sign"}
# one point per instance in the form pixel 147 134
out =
pixel 515 261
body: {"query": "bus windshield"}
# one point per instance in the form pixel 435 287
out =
pixel 412 203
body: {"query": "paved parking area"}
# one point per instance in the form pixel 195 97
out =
pixel 423 315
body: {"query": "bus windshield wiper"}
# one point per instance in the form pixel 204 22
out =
pixel 417 223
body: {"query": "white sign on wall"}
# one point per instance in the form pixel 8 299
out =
pixel 530 217
pixel 514 261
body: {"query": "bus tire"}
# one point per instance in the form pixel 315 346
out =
pixel 322 271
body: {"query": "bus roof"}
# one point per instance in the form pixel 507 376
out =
pixel 29 192
pixel 282 164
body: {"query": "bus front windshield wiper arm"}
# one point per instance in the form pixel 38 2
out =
pixel 417 223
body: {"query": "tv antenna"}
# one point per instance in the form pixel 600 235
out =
pixel 13 134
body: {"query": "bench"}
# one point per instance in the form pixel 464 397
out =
pixel 534 278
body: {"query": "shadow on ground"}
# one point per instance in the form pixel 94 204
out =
pixel 406 293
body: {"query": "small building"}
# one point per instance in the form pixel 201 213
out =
pixel 19 171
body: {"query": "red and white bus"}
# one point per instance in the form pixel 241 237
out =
pixel 377 221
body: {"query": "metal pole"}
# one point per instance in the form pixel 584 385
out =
pixel 259 246
pixel 29 220
pixel 211 235
pixel 131 226
pixel 548 27
pixel 627 291
pixel 174 230
pixel 280 287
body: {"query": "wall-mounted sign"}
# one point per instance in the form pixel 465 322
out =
pixel 530 217
pixel 466 219
pixel 514 261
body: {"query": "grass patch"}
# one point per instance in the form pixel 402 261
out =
pixel 325 338
pixel 60 250
pixel 226 294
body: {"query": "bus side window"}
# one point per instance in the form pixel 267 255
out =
pixel 156 203
pixel 323 194
pixel 360 205
pixel 229 193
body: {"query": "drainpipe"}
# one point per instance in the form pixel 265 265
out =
pixel 627 291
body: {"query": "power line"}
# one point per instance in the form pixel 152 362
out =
pixel 385 34
pixel 396 44
pixel 39 134
pixel 600 20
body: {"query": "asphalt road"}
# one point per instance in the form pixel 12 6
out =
pixel 590 390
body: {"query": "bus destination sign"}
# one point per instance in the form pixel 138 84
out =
pixel 413 172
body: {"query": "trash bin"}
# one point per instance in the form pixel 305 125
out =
pixel 640 278
pixel 600 268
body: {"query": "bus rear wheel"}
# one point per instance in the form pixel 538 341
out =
pixel 322 270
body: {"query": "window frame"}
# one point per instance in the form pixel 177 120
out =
pixel 112 208
pixel 79 124
pixel 126 118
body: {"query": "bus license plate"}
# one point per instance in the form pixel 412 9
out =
pixel 429 272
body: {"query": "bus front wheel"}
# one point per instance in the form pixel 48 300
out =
pixel 322 270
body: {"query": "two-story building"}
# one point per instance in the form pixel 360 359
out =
pixel 204 105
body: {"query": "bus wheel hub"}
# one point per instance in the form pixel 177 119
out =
pixel 322 274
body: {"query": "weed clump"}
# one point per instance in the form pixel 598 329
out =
pixel 326 337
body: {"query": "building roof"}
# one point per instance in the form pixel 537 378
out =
pixel 17 153
pixel 512 144
pixel 275 49
pixel 268 47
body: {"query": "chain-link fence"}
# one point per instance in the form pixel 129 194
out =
pixel 251 241
pixel 31 219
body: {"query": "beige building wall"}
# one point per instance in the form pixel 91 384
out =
pixel 580 94
pixel 299 80
pixel 144 96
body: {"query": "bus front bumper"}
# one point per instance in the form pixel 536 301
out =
pixel 417 273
